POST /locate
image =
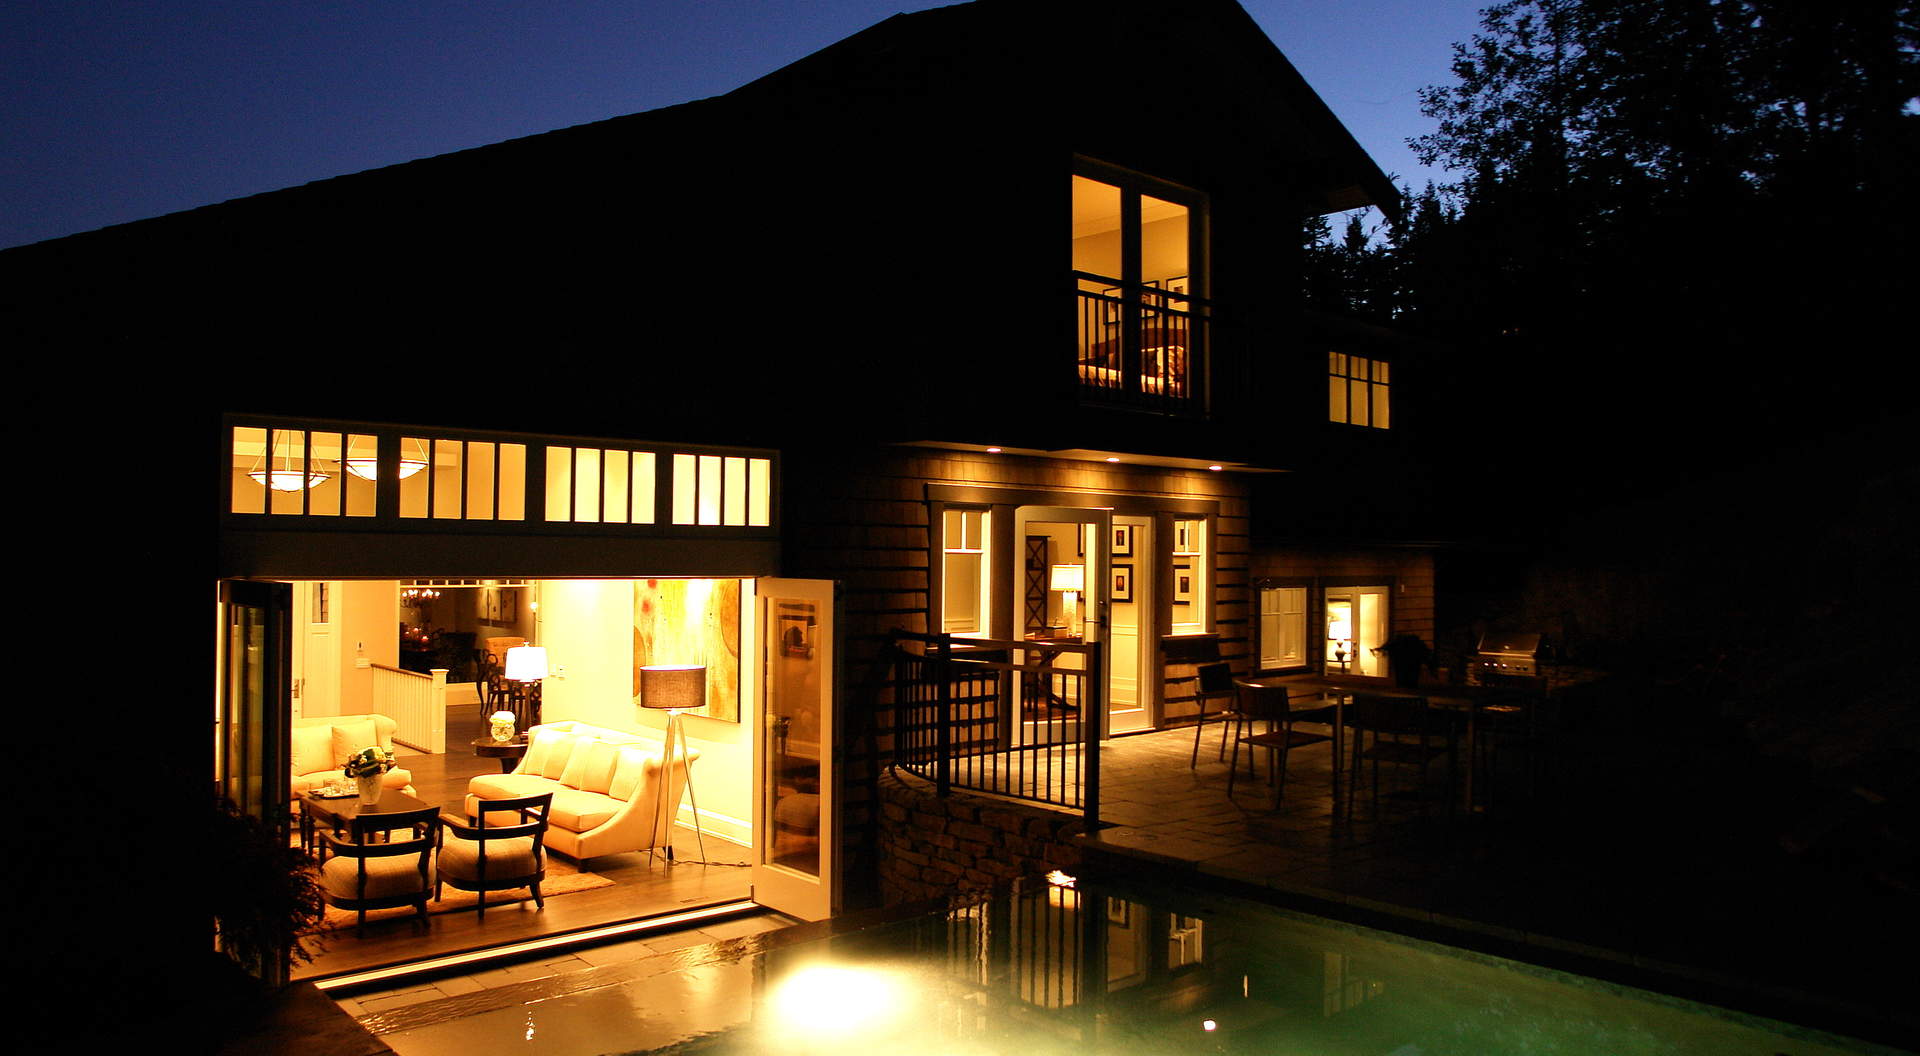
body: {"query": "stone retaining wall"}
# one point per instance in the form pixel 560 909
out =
pixel 930 847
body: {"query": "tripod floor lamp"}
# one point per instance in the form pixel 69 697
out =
pixel 674 688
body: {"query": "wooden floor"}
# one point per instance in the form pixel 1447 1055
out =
pixel 641 888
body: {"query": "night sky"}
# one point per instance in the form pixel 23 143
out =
pixel 112 112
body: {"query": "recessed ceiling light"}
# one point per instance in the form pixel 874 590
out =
pixel 1216 469
pixel 993 450
pixel 1113 458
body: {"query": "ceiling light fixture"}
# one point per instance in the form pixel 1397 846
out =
pixel 367 467
pixel 288 478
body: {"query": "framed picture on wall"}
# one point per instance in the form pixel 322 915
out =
pixel 1122 583
pixel 1123 540
pixel 1183 584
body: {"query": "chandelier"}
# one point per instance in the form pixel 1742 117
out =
pixel 418 595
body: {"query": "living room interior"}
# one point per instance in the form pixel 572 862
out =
pixel 350 637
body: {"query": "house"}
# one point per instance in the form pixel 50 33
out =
pixel 987 314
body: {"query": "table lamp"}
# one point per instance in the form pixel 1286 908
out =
pixel 1070 579
pixel 674 688
pixel 527 665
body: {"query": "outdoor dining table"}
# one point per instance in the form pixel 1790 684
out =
pixel 1459 710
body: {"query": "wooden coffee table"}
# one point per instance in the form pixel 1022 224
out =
pixel 338 814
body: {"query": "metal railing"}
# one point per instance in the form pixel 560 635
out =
pixel 1139 345
pixel 1010 718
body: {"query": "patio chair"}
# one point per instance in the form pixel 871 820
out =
pixel 1215 682
pixel 1402 732
pixel 362 873
pixel 1506 716
pixel 1268 704
pixel 485 855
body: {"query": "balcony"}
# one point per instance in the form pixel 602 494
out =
pixel 1140 345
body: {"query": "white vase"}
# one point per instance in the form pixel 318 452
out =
pixel 369 788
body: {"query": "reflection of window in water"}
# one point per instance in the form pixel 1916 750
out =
pixel 1342 987
pixel 1185 941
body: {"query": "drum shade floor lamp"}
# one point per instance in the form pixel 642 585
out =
pixel 674 688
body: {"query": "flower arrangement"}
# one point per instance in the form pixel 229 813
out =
pixel 371 761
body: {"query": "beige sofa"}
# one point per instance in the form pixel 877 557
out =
pixel 322 743
pixel 605 783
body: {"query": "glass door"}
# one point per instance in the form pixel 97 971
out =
pixel 251 715
pixel 795 842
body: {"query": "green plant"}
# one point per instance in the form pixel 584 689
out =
pixel 265 893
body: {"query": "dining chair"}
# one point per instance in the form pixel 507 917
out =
pixel 1400 731
pixel 485 854
pixel 1269 705
pixel 1215 682
pixel 386 861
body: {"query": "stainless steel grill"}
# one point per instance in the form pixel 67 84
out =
pixel 1515 653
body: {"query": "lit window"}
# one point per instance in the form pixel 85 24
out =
pixel 1283 627
pixel 964 571
pixel 1357 392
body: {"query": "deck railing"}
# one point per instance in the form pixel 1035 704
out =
pixel 1014 719
pixel 1140 345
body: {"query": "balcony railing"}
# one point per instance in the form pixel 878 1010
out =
pixel 1006 718
pixel 1140 345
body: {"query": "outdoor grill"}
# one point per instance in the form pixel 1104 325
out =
pixel 1509 653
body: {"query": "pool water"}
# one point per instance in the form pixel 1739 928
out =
pixel 1098 968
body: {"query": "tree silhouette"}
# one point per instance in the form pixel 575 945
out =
pixel 1680 234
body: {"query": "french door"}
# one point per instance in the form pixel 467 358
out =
pixel 795 823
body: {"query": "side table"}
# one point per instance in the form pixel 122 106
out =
pixel 508 752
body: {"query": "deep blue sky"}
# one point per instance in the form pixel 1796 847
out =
pixel 116 111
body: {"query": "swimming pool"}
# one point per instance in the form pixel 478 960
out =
pixel 1097 967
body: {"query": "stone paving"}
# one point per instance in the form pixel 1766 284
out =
pixel 1615 861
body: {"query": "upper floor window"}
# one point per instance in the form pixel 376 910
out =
pixel 1357 390
pixel 1137 263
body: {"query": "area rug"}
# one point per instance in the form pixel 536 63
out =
pixel 563 878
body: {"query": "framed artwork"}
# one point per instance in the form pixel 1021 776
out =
pixel 1122 583
pixel 1119 911
pixel 691 621
pixel 1183 584
pixel 796 634
pixel 1177 284
pixel 1123 540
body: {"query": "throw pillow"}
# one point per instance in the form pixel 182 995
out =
pixel 630 771
pixel 351 735
pixel 559 752
pixel 601 758
pixel 313 749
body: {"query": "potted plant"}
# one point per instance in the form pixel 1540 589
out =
pixel 265 895
pixel 366 766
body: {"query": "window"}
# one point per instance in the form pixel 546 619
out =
pixel 1136 259
pixel 1283 627
pixel 1357 390
pixel 964 570
pixel 1190 560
